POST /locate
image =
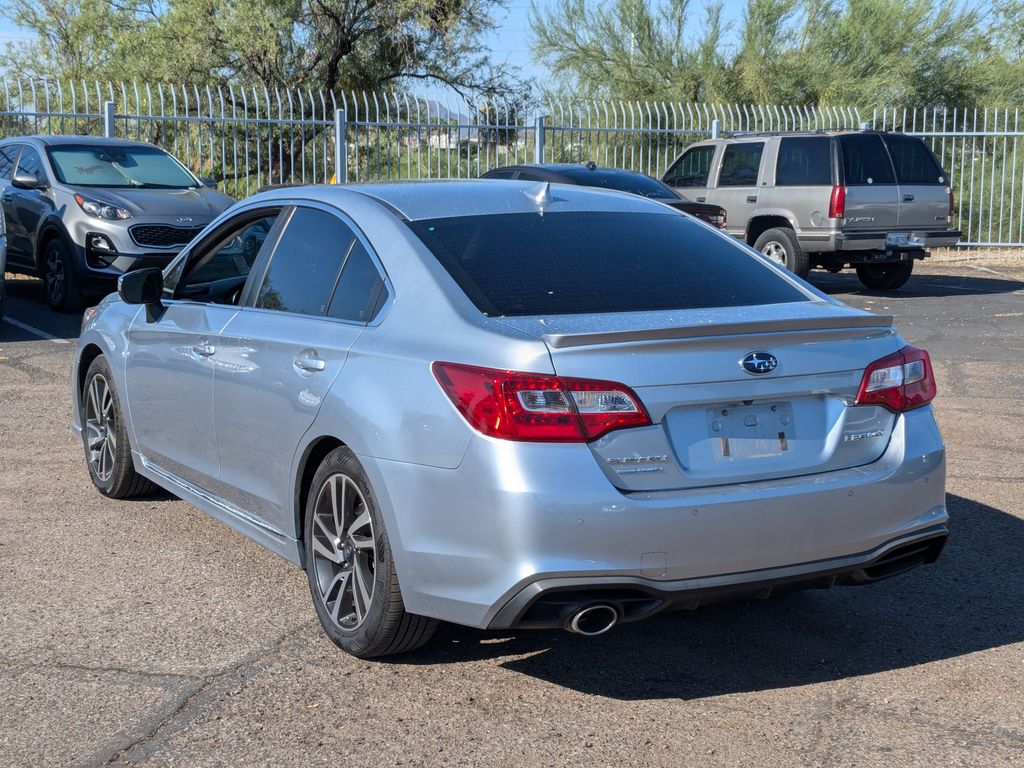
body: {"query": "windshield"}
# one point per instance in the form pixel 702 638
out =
pixel 587 262
pixel 635 183
pixel 118 167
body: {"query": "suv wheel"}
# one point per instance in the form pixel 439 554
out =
pixel 780 245
pixel 62 291
pixel 350 568
pixel 885 277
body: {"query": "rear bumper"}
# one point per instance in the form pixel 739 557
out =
pixel 847 241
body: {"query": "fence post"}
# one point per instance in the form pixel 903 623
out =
pixel 716 128
pixel 108 119
pixel 340 147
pixel 538 144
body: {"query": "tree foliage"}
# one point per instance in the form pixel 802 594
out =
pixel 323 44
pixel 862 52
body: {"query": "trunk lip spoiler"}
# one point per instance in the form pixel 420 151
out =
pixel 746 327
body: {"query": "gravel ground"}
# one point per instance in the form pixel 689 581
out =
pixel 143 632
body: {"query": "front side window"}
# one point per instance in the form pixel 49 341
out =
pixel 117 166
pixel 8 156
pixel 30 162
pixel 692 169
pixel 865 161
pixel 740 164
pixel 304 267
pixel 804 161
pixel 589 262
pixel 914 162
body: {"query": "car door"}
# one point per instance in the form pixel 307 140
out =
pixel 8 160
pixel 689 175
pixel 172 356
pixel 279 355
pixel 23 207
pixel 736 188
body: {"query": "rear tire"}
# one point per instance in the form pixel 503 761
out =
pixel 62 290
pixel 105 436
pixel 350 568
pixel 885 277
pixel 781 246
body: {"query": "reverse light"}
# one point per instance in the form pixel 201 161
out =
pixel 101 210
pixel 538 407
pixel 837 203
pixel 900 382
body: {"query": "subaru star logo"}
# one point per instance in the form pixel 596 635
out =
pixel 759 362
pixel 184 219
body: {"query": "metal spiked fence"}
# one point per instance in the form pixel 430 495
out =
pixel 249 137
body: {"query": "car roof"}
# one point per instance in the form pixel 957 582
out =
pixel 89 141
pixel 415 200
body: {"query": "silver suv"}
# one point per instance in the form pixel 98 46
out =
pixel 870 200
pixel 81 211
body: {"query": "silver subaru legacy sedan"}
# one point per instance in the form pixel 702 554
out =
pixel 512 405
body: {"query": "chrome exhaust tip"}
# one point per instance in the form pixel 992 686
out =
pixel 593 620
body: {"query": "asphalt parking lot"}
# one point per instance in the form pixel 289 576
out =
pixel 143 632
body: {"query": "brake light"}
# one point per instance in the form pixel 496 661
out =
pixel 537 406
pixel 949 191
pixel 717 219
pixel 837 203
pixel 901 381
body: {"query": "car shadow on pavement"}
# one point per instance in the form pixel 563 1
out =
pixel 919 286
pixel 969 601
pixel 25 304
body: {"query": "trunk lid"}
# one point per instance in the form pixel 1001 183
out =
pixel 714 423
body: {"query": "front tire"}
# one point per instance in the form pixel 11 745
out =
pixel 63 292
pixel 781 246
pixel 350 568
pixel 885 277
pixel 105 436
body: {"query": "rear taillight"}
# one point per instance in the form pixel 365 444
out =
pixel 537 406
pixel 837 203
pixel 901 381
pixel 949 191
pixel 718 219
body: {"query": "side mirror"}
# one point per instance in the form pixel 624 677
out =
pixel 209 182
pixel 26 180
pixel 141 286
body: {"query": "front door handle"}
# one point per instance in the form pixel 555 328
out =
pixel 751 198
pixel 701 199
pixel 308 360
pixel 204 349
pixel 908 198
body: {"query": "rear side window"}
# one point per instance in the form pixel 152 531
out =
pixel 692 169
pixel 8 155
pixel 499 174
pixel 359 287
pixel 804 161
pixel 740 165
pixel 305 264
pixel 865 160
pixel 591 262
pixel 914 162
pixel 623 181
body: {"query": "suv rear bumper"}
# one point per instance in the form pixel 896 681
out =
pixel 876 240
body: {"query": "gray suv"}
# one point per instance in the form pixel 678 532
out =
pixel 81 211
pixel 870 200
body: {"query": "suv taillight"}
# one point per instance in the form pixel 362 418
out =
pixel 837 203
pixel 900 382
pixel 537 406
pixel 718 219
pixel 949 191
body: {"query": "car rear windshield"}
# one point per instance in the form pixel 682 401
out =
pixel 114 166
pixel 914 162
pixel 592 262
pixel 636 183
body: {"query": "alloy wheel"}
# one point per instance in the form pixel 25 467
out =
pixel 344 553
pixel 55 277
pixel 775 251
pixel 100 427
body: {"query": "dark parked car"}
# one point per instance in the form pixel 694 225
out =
pixel 590 175
pixel 80 211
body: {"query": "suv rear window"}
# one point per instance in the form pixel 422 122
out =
pixel 804 161
pixel 865 160
pixel 591 262
pixel 914 162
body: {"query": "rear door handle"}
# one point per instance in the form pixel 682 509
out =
pixel 908 198
pixel 701 199
pixel 204 349
pixel 308 360
pixel 751 198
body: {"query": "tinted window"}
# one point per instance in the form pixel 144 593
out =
pixel 692 169
pixel 865 160
pixel 914 162
pixel 588 262
pixel 623 181
pixel 358 289
pixel 8 155
pixel 30 162
pixel 804 161
pixel 740 164
pixel 529 176
pixel 498 174
pixel 230 258
pixel 304 268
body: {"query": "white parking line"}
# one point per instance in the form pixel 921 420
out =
pixel 35 331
